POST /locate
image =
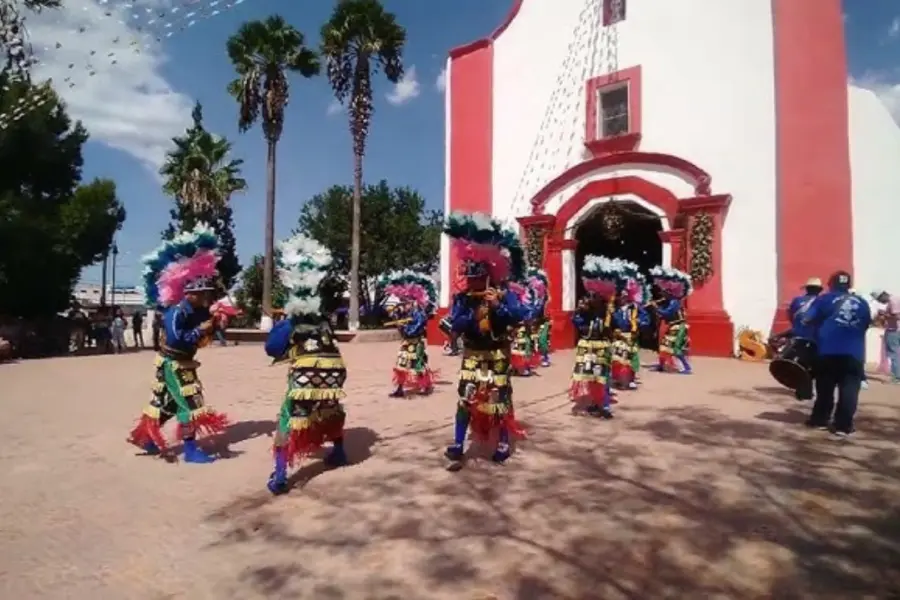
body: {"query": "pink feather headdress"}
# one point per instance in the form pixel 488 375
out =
pixel 409 286
pixel 185 263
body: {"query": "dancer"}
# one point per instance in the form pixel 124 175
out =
pixel 484 312
pixel 311 413
pixel 418 297
pixel 628 319
pixel 674 344
pixel 523 357
pixel 539 286
pixel 589 388
pixel 178 276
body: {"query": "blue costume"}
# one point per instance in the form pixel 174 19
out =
pixel 589 387
pixel 187 325
pixel 417 296
pixel 538 285
pixel 803 335
pixel 674 341
pixel 311 412
pixel 840 320
pixel 490 253
pixel 627 321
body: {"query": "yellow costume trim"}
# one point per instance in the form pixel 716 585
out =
pixel 152 411
pixel 320 362
pixel 494 408
pixel 316 394
pixel 317 416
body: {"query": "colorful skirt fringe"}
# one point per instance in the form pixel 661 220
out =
pixel 523 358
pixel 177 392
pixel 411 371
pixel 675 342
pixel 312 413
pixel 486 394
pixel 590 373
pixel 625 361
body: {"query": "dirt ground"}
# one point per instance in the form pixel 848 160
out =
pixel 704 486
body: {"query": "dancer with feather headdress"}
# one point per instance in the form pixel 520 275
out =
pixel 629 318
pixel 416 300
pixel 178 276
pixel 484 312
pixel 589 388
pixel 675 342
pixel 523 355
pixel 538 285
pixel 312 413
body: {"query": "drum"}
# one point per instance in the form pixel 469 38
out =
pixel 793 365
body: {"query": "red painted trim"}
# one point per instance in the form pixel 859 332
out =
pixel 596 143
pixel 433 334
pixel 486 42
pixel 702 180
pixel 814 183
pixel 718 204
pixel 652 193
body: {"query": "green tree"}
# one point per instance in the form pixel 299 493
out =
pixel 202 177
pixel 262 53
pixel 361 36
pixel 50 227
pixel 249 296
pixel 397 230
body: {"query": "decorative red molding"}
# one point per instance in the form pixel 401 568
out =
pixel 718 203
pixel 537 221
pixel 487 41
pixel 702 180
pixel 593 140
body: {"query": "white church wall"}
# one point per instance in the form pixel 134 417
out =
pixel 875 171
pixel 707 96
pixel 445 283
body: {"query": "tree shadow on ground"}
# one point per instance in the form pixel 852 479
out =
pixel 671 503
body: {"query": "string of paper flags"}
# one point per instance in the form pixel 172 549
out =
pixel 149 25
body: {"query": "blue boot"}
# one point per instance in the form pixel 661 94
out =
pixel 457 451
pixel 501 454
pixel 278 483
pixel 545 360
pixel 194 454
pixel 685 365
pixel 397 393
pixel 337 457
pixel 151 449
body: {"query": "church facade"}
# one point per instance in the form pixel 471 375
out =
pixel 731 124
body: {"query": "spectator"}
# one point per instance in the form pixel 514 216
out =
pixel 118 331
pixel 137 327
pixel 890 315
pixel 101 323
pixel 157 327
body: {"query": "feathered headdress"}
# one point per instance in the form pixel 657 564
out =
pixel 485 247
pixel 672 281
pixel 303 265
pixel 538 284
pixel 601 275
pixel 633 283
pixel 409 286
pixel 186 263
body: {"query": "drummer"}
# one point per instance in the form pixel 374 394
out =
pixel 803 331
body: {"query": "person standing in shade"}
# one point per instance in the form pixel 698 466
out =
pixel 840 320
pixel 156 327
pixel 137 328
pixel 118 330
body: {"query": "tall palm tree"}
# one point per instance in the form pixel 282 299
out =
pixel 262 53
pixel 361 36
pixel 199 171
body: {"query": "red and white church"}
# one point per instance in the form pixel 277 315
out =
pixel 666 132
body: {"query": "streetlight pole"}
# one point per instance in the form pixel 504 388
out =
pixel 115 253
pixel 103 279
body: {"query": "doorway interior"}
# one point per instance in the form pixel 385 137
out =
pixel 621 229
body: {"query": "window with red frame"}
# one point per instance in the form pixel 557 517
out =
pixel 613 117
pixel 613 11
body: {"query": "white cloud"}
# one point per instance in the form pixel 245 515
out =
pixel 406 89
pixel 335 108
pixel 441 82
pixel 894 29
pixel 886 86
pixel 120 95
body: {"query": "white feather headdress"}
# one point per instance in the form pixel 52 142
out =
pixel 302 267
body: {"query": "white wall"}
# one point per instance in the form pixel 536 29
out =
pixel 875 169
pixel 445 285
pixel 708 96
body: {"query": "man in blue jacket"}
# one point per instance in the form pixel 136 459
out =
pixel 803 334
pixel 840 319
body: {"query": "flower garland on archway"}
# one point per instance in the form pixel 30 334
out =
pixel 701 240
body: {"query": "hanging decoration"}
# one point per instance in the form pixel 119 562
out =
pixel 151 26
pixel 612 220
pixel 534 246
pixel 701 241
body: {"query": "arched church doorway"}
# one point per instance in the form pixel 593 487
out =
pixel 621 229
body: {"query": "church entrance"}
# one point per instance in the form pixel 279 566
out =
pixel 621 229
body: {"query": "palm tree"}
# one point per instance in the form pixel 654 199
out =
pixel 359 37
pixel 262 53
pixel 199 171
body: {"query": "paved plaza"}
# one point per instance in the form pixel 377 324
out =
pixel 705 486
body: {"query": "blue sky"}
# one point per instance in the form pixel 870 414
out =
pixel 406 146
